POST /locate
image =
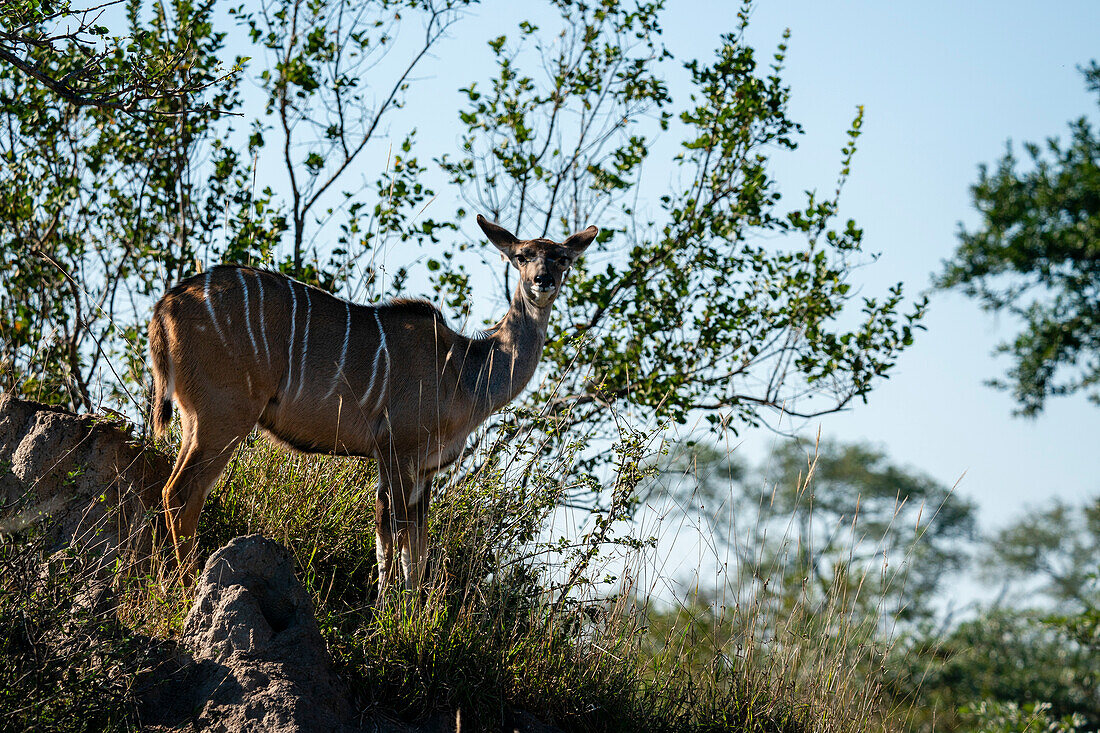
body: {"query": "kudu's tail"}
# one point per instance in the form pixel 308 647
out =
pixel 164 374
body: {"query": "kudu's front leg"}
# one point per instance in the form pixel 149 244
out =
pixel 414 547
pixel 384 531
pixel 401 513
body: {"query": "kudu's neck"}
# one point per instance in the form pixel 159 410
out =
pixel 512 351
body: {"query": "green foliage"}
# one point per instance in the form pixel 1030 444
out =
pixel 1004 665
pixel 1035 256
pixel 992 717
pixel 697 310
pixel 64 50
pixel 1083 627
pixel 98 212
pixel 319 58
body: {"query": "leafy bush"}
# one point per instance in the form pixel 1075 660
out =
pixel 1009 717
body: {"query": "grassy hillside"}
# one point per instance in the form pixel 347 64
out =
pixel 517 615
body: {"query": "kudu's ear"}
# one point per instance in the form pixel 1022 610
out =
pixel 498 235
pixel 579 242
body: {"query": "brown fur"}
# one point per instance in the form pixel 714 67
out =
pixel 236 347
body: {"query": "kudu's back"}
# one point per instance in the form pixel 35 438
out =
pixel 313 370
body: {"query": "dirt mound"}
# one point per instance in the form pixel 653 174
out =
pixel 84 478
pixel 252 655
pixel 251 658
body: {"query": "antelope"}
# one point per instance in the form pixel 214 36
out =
pixel 237 347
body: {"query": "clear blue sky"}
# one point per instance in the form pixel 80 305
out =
pixel 944 84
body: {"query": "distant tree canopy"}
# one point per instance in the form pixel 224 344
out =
pixel 827 522
pixel 1031 654
pixel 714 299
pixel 831 531
pixel 1036 255
pixel 1054 551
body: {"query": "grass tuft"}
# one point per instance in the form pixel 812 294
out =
pixel 65 663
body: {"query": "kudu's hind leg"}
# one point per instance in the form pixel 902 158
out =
pixel 204 453
pixel 169 493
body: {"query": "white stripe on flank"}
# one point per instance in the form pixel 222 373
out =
pixel 247 314
pixel 386 351
pixel 290 342
pixel 263 322
pixel 374 372
pixel 343 352
pixel 210 308
pixel 305 345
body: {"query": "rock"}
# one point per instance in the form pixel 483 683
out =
pixel 262 663
pixel 85 478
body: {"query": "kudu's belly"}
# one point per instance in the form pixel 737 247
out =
pixel 337 429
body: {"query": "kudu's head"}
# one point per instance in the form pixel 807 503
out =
pixel 542 263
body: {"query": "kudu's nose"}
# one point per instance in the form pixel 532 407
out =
pixel 544 281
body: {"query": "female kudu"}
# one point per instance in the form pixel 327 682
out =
pixel 236 347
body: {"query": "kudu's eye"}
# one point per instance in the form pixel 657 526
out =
pixel 521 259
